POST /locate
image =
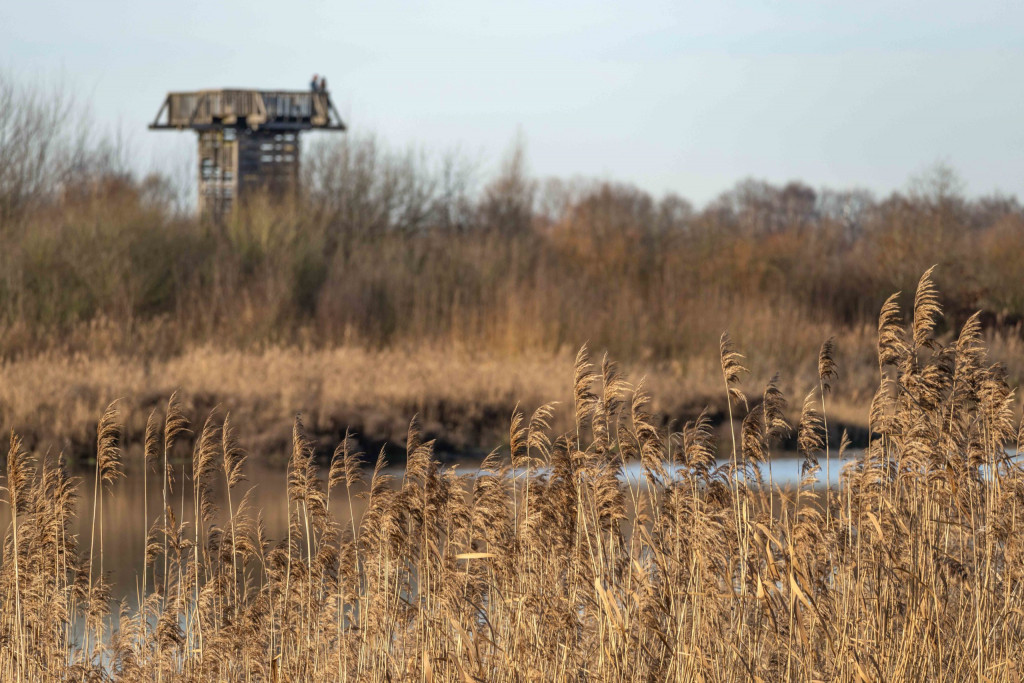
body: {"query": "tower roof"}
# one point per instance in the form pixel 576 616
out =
pixel 270 110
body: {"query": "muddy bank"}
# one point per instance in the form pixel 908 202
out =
pixel 463 400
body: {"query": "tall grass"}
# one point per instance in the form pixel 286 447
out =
pixel 550 564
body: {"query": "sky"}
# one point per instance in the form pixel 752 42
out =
pixel 684 97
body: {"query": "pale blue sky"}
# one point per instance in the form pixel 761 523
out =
pixel 687 97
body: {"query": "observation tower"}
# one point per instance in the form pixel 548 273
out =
pixel 248 139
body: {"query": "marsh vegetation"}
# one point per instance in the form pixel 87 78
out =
pixel 547 564
pixel 433 267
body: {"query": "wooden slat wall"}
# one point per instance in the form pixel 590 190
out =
pixel 256 107
pixel 234 166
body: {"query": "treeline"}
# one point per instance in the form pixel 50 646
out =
pixel 389 247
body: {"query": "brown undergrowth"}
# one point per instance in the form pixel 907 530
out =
pixel 463 397
pixel 548 563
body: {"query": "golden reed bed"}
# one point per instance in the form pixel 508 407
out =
pixel 548 564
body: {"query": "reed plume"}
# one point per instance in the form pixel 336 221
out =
pixel 554 560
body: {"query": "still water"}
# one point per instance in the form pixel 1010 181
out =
pixel 131 508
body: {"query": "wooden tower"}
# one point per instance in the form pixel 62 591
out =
pixel 248 139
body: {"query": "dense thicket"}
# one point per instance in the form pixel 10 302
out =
pixel 387 247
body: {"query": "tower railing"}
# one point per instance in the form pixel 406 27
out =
pixel 275 109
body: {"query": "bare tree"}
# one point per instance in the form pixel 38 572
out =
pixel 508 201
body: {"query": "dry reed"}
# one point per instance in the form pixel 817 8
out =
pixel 555 565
